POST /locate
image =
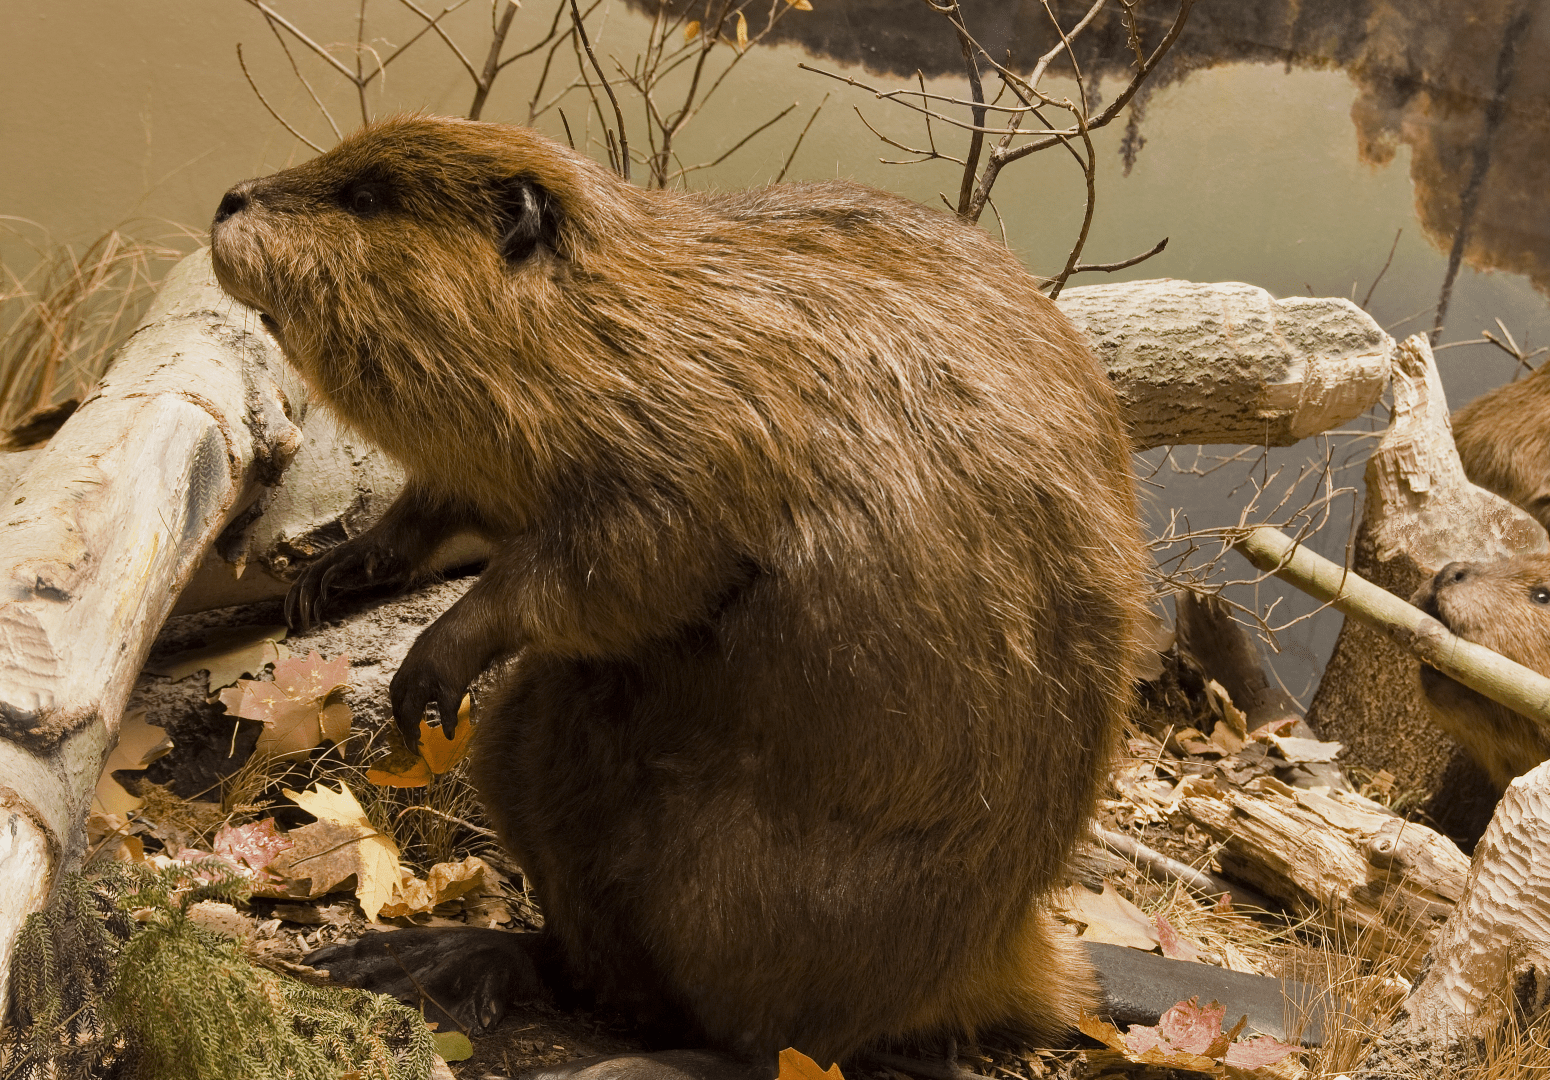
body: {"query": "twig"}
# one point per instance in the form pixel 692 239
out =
pixel 486 78
pixel 1109 268
pixel 1502 680
pixel 624 145
pixel 1090 169
pixel 737 145
pixel 1392 248
pixel 798 144
pixel 1157 865
pixel 270 108
pixel 296 70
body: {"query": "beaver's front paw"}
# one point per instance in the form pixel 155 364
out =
pixel 438 670
pixel 366 562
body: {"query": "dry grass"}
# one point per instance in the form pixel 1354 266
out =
pixel 61 321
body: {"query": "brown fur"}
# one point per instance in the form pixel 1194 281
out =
pixel 1503 438
pixel 1493 604
pixel 815 527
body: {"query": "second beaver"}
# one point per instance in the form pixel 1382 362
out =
pixel 1505 606
pixel 814 530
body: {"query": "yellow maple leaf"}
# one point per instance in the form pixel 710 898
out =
pixel 795 1065
pixel 437 754
pixel 376 870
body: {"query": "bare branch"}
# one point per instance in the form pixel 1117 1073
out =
pixel 623 163
pixel 1090 170
pixel 740 143
pixel 486 78
pixel 435 24
pixel 797 144
pixel 271 13
pixel 1109 268
pixel 431 24
pixel 296 69
pixel 270 108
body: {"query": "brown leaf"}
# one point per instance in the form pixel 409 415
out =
pixel 742 31
pixel 340 843
pixel 256 844
pixel 1110 918
pixel 440 752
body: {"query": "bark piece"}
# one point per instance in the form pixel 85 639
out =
pixel 100 534
pixel 1339 858
pixel 1421 514
pixel 1229 363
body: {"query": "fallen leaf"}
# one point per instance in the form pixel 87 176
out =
pixel 227 655
pixel 1257 1052
pixel 301 707
pixel 340 843
pixel 452 1045
pixel 1174 945
pixel 1110 918
pixel 444 882
pixel 795 1065
pixel 139 744
pixel 255 845
pixel 407 768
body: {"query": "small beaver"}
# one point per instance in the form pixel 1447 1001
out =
pixel 1503 605
pixel 1503 439
pixel 815 534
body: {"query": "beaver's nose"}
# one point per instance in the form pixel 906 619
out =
pixel 234 202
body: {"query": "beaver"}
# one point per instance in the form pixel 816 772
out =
pixel 1503 440
pixel 816 544
pixel 1504 605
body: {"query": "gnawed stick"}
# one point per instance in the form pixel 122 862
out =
pixel 1502 680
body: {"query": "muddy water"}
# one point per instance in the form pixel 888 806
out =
pixel 1287 143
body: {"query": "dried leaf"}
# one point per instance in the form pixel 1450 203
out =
pixel 801 5
pixel 402 769
pixel 1257 1052
pixel 742 31
pixel 139 744
pixel 692 31
pixel 445 882
pixel 228 655
pixel 795 1065
pixel 347 844
pixel 256 844
pixel 300 708
pixel 312 679
pixel 1109 917
pixel 440 752
pixel 1174 945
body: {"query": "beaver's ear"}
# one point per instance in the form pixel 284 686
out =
pixel 526 218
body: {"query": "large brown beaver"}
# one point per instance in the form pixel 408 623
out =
pixel 814 528
pixel 1503 605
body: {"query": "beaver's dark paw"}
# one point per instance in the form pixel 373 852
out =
pixel 362 563
pixel 462 977
pixel 438 670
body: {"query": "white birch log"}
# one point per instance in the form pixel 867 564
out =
pixel 98 537
pixel 1193 363
pixel 1228 362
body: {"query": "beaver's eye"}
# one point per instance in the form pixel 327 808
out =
pixel 1539 594
pixel 364 199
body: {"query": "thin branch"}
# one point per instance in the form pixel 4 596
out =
pixel 559 11
pixel 1090 169
pixel 1109 268
pixel 435 24
pixel 971 160
pixel 1392 248
pixel 492 60
pixel 739 144
pixel 624 145
pixel 270 108
pixel 271 13
pixel 296 70
pixel 360 49
pixel 798 144
pixel 431 25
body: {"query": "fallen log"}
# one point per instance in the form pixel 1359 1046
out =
pixel 100 534
pixel 1193 363
pixel 1340 859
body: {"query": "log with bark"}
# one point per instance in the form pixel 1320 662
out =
pixel 1421 513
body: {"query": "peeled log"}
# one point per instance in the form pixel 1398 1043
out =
pixel 101 532
pixel 1421 514
pixel 1193 363
pixel 1228 362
